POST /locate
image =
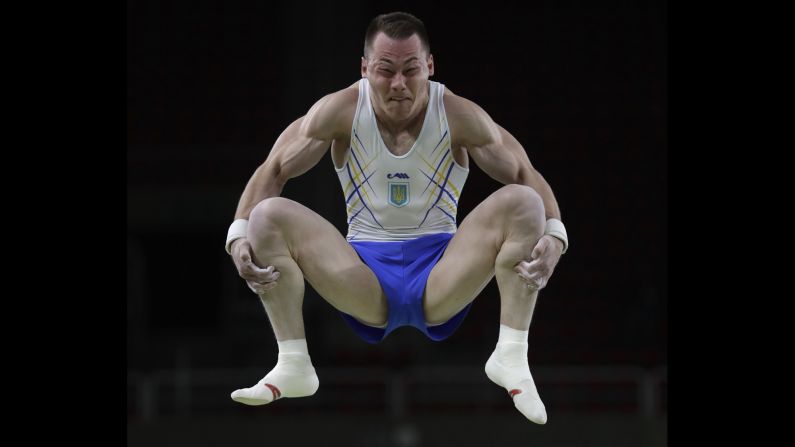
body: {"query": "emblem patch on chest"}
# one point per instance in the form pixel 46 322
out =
pixel 398 193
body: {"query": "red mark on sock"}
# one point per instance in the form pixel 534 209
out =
pixel 275 391
pixel 514 392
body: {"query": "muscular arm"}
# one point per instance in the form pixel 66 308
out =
pixel 300 147
pixel 495 150
pixel 294 153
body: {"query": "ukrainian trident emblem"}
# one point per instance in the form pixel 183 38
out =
pixel 398 193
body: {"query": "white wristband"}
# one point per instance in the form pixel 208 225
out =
pixel 556 229
pixel 236 231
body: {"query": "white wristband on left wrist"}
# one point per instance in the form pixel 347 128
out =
pixel 556 229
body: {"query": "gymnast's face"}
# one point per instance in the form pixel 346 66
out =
pixel 398 72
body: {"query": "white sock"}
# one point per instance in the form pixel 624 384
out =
pixel 293 376
pixel 509 334
pixel 297 346
pixel 508 368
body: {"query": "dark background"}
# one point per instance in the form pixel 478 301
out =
pixel 210 85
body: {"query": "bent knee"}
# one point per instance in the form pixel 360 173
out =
pixel 522 203
pixel 273 211
pixel 521 196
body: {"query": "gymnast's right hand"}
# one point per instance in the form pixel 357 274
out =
pixel 259 280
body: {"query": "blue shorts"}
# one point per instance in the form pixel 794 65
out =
pixel 402 268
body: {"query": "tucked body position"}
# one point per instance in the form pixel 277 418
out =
pixel 401 145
